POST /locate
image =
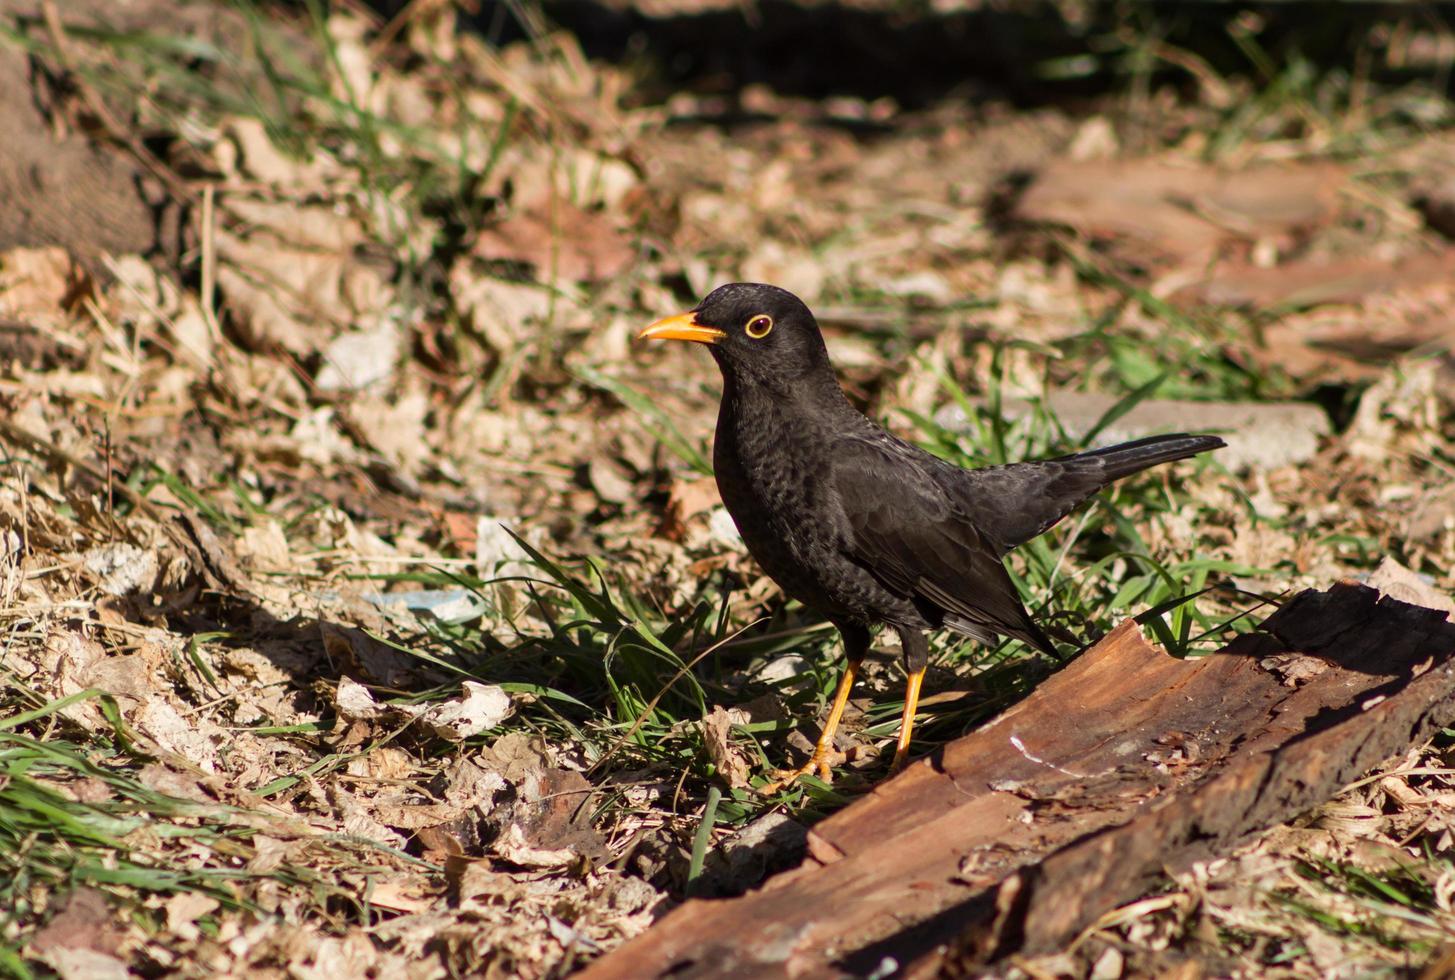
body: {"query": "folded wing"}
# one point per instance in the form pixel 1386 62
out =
pixel 907 529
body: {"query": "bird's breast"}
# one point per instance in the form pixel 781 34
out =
pixel 768 468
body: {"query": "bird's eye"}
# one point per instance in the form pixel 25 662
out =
pixel 759 326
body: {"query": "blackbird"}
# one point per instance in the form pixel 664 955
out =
pixel 859 524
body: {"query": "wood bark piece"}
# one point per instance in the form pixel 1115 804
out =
pixel 1124 764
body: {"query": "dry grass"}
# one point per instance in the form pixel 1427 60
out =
pixel 278 695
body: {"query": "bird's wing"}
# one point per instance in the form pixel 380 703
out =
pixel 905 529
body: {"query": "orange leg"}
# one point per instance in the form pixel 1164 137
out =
pixel 906 721
pixel 824 750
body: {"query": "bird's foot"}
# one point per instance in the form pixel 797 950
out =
pixel 820 765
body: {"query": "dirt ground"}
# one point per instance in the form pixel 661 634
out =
pixel 367 604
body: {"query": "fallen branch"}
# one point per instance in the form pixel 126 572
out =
pixel 1125 764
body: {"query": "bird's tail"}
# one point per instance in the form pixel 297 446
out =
pixel 1115 462
pixel 1017 502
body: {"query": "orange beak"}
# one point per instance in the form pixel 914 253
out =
pixel 683 326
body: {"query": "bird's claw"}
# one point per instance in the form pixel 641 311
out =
pixel 820 765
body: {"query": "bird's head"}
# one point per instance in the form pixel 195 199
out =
pixel 754 331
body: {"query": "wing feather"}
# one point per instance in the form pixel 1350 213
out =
pixel 909 533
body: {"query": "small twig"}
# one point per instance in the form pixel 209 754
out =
pixel 110 506
pixel 209 262
pixel 19 435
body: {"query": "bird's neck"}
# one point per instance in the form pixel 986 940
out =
pixel 818 390
pixel 787 409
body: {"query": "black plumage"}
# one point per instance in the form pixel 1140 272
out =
pixel 859 524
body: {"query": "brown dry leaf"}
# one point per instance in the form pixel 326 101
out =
pixel 550 816
pixel 1394 580
pixel 356 816
pixel 264 547
pixel 732 764
pixel 122 568
pixel 356 650
pixel 66 660
pixel 132 677
pixel 87 964
pixel 249 150
pixel 506 314
pixel 1260 435
pixel 483 706
pixel 1293 668
pixel 1398 414
pixel 470 788
pixel 164 779
pixel 407 893
pixel 687 499
pixel 1434 196
pixel 291 272
pixel 270 853
pixel 359 359
pixel 395 427
pixel 611 479
pixel 563 244
pixel 1433 514
pixel 354 700
pixel 514 846
pixel 1356 344
pixel 187 738
pixel 1182 211
pixel 183 911
pixel 40 282
pixel 1310 282
pixel 84 922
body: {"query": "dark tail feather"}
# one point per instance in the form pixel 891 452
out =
pixel 1133 457
pixel 1015 503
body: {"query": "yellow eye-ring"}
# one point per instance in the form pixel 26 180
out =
pixel 759 326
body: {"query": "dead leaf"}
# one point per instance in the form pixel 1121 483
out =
pixel 183 911
pixel 85 921
pixel 122 568
pixel 483 707
pixel 562 243
pixel 401 893
pixel 513 846
pixel 731 764
pixel 1310 282
pixel 356 650
pixel 611 480
pixel 550 810
pixel 354 700
pixel 1262 435
pixel 1293 668
pixel 1433 513
pixel 507 314
pixel 1179 210
pixel 264 547
pixel 40 282
pixel 687 499
pixel 359 359
pixel 290 274
pixel 1394 580
pixel 183 737
pixel 87 964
